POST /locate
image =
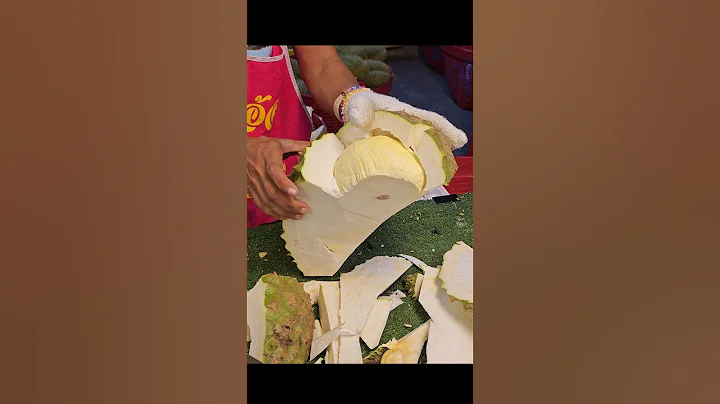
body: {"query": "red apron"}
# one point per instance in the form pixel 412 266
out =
pixel 272 91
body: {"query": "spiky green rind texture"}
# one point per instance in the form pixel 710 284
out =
pixel 296 174
pixel 355 64
pixel 376 78
pixel 375 356
pixel 410 281
pixel 289 318
pixel 374 52
pixel 377 65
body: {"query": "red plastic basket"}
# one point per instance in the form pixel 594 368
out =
pixel 433 57
pixel 458 74
pixel 462 182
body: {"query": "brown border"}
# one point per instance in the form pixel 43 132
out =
pixel 122 227
pixel 122 241
pixel 597 225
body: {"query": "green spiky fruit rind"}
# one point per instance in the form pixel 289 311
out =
pixel 380 55
pixel 289 320
pixel 377 65
pixel 296 174
pixel 374 357
pixel 355 64
pixel 410 282
pixel 376 78
pixel 374 52
pixel 449 164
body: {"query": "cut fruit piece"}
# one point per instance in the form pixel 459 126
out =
pixel 323 341
pixel 407 349
pixel 312 288
pixel 416 134
pixel 438 349
pixel 317 332
pixel 329 308
pixel 353 187
pixel 396 294
pixel 452 340
pixel 375 325
pixel 319 361
pixel 456 274
pixel 281 320
pixel 427 143
pixel 349 134
pixel 396 297
pixel 425 267
pixel 383 161
pixel 413 282
pixel 359 289
pixel 350 350
pixel 378 178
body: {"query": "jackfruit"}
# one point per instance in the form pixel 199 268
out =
pixel 281 320
pixel 413 282
pixel 376 78
pixel 374 52
pixel 450 337
pixel 456 274
pixel 373 65
pixel 356 65
pixel 353 188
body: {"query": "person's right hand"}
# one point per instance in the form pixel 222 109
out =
pixel 268 185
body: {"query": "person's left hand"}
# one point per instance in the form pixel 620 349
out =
pixel 362 105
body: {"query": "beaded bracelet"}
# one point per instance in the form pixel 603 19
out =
pixel 342 100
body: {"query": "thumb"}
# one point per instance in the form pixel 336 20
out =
pixel 289 145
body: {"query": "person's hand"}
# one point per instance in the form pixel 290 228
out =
pixel 268 185
pixel 362 105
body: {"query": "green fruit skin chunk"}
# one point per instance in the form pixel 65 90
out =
pixel 289 321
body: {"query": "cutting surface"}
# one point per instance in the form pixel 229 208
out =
pixel 424 230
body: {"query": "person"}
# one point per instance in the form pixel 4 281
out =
pixel 279 125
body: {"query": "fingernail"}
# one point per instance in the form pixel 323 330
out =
pixel 303 210
pixel 298 217
pixel 292 191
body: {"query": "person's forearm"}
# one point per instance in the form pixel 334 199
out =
pixel 326 84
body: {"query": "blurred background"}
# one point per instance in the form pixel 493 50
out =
pixel 434 78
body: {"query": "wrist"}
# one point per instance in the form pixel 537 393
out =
pixel 342 100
